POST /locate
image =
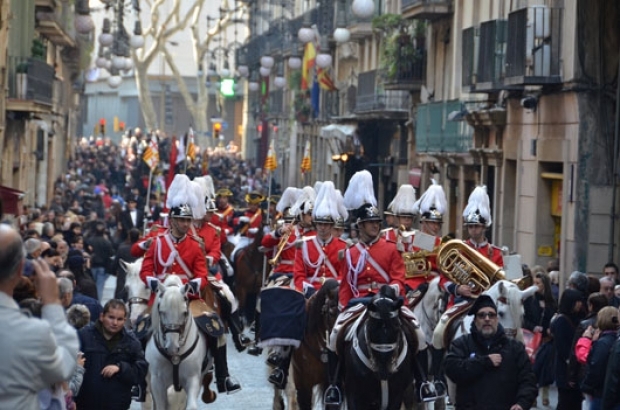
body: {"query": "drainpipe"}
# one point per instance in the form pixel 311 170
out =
pixel 612 216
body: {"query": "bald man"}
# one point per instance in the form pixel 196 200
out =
pixel 35 353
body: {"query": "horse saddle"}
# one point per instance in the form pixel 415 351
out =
pixel 449 323
pixel 207 320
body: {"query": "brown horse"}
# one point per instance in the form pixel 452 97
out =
pixel 309 360
pixel 248 266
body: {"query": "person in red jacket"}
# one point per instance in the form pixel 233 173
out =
pixel 223 216
pixel 179 252
pixel 248 222
pixel 477 219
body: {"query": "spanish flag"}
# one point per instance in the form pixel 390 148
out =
pixel 306 162
pixel 151 153
pixel 308 63
pixel 325 80
pixel 271 163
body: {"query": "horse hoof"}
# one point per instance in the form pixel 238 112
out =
pixel 208 396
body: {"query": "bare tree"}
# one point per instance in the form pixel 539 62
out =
pixel 163 26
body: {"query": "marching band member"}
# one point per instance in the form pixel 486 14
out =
pixel 223 216
pixel 248 222
pixel 390 233
pixel 340 224
pixel 477 219
pixel 210 241
pixel 282 347
pixel 178 252
pixel 403 208
pixel 317 258
pixel 281 239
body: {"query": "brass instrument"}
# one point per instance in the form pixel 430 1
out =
pixel 464 265
pixel 283 241
pixel 417 263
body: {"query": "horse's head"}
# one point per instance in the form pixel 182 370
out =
pixel 384 328
pixel 323 308
pixel 509 300
pixel 171 315
pixel 138 295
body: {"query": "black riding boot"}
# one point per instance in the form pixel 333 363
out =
pixel 436 362
pixel 279 376
pixel 332 398
pixel 236 330
pixel 224 383
pixel 255 350
pixel 426 390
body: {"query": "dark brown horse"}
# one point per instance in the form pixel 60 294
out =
pixel 380 355
pixel 309 360
pixel 248 266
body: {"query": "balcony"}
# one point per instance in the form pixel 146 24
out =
pixel 534 46
pixel 358 27
pixel 276 103
pixel 491 67
pixel 33 91
pixel 54 20
pixel 408 70
pixel 373 100
pixel 425 9
pixel 436 134
pixel 469 48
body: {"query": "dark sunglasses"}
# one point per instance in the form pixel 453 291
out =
pixel 484 315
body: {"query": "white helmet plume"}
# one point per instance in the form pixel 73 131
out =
pixel 478 209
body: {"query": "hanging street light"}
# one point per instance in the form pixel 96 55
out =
pixel 363 8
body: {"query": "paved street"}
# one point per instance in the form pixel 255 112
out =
pixel 251 372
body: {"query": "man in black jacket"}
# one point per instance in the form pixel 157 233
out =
pixel 114 361
pixel 490 370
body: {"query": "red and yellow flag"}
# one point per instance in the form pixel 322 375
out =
pixel 306 162
pixel 271 163
pixel 325 80
pixel 151 153
pixel 308 63
pixel 191 146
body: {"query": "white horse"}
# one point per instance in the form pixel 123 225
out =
pixel 177 349
pixel 509 301
pixel 138 294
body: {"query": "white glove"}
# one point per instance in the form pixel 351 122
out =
pixel 253 230
pixel 209 261
pixel 244 219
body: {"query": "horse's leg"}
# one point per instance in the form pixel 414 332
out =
pixel 304 397
pixel 159 393
pixel 192 388
pixel 148 401
pixel 278 400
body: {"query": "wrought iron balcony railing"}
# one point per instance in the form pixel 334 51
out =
pixel 31 79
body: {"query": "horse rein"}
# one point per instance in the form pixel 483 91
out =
pixel 136 300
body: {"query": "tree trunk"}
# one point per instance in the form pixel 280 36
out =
pixel 145 98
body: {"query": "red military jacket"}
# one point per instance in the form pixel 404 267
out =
pixel 316 261
pixel 390 234
pixel 211 239
pixel 162 259
pixel 367 267
pixel 138 249
pixel 224 220
pixel 490 251
pixel 256 221
pixel 287 258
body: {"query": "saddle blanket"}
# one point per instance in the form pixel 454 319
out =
pixel 283 317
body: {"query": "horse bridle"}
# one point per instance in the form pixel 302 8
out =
pixel 176 360
pixel 136 300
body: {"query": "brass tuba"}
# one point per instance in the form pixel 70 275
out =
pixel 464 265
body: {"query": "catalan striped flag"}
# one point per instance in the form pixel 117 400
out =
pixel 308 63
pixel 325 81
pixel 271 162
pixel 306 162
pixel 191 146
pixel 151 153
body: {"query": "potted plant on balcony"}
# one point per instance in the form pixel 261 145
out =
pixel 303 110
pixel 21 80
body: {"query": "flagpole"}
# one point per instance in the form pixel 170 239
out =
pixel 186 150
pixel 146 204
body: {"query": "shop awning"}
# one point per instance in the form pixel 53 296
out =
pixel 11 199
